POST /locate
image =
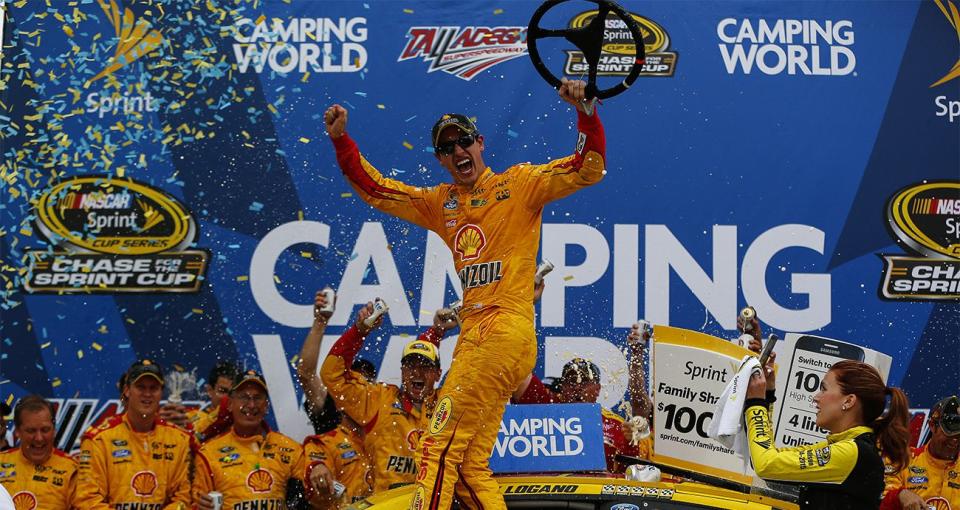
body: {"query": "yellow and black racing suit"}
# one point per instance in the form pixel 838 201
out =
pixel 493 231
pixel 48 486
pixel 845 472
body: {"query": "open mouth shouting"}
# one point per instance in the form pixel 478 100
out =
pixel 465 166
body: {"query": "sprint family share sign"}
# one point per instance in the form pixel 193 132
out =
pixel 690 371
pixel 546 438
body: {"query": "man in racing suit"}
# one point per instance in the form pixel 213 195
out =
pixel 251 465
pixel 933 477
pixel 36 474
pixel 135 459
pixel 393 419
pixel 491 223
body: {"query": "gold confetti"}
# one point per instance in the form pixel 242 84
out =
pixel 304 140
pixel 45 345
pixel 408 11
pixel 305 76
pixel 382 107
pixel 96 346
pixel 498 11
pixel 276 279
pixel 568 278
pixel 346 195
pixel 197 311
pixel 80 354
pixel 103 328
pixel 300 215
pixel 243 278
pixel 306 254
pixel 55 382
pixel 407 145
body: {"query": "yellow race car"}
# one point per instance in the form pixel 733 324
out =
pixel 581 492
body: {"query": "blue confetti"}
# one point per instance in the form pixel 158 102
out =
pixel 512 134
pixel 256 207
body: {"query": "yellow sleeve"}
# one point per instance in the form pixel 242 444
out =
pixel 71 487
pixel 202 477
pixel 350 390
pixel 178 488
pixel 892 479
pixel 92 490
pixel 541 184
pixel 414 204
pixel 820 462
pixel 299 466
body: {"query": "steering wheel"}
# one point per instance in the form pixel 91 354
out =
pixel 589 40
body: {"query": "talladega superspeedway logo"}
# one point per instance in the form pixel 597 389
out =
pixel 464 52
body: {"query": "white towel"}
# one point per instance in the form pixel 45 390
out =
pixel 727 426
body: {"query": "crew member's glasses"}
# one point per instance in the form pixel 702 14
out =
pixel 246 398
pixel 447 148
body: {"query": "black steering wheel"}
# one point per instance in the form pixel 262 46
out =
pixel 589 40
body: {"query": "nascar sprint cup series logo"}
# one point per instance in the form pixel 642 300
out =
pixel 619 53
pixel 112 235
pixel 464 51
pixel 926 219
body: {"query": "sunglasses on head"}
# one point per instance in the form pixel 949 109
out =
pixel 464 141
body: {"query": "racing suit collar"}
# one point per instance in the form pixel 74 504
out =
pixel 487 173
pixel 850 433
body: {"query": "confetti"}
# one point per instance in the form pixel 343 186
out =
pixel 346 195
pixel 408 11
pixel 80 354
pixel 56 382
pixel 498 11
pixel 568 278
pixel 304 140
pixel 96 346
pixel 407 145
pixel 243 278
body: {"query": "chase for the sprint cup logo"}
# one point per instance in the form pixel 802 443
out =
pixel 925 219
pixel 618 54
pixel 114 235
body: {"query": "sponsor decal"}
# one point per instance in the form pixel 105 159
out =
pixel 144 483
pixel 259 480
pixel 478 275
pixel 418 499
pixel 441 415
pixel 917 470
pixel 787 46
pixel 451 223
pixel 226 459
pixel 538 437
pixel 503 195
pixel 478 202
pixel 947 107
pixel 119 454
pixel 541 489
pixel 349 454
pixel 581 142
pixel 624 506
pixel 119 442
pixel 302 45
pixel 227 449
pixel 464 52
pixel 469 242
pixel 452 203
pixel 400 464
pixel 134 37
pixel 925 219
pixel 619 51
pixel 917 479
pixel 24 500
pixel 114 235
pixel 823 456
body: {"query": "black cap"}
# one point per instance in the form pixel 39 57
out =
pixel 249 376
pixel 459 120
pixel 946 414
pixel 141 368
pixel 580 370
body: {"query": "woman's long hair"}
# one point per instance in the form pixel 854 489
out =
pixel 864 381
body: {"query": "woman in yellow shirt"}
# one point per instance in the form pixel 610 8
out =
pixel 845 471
